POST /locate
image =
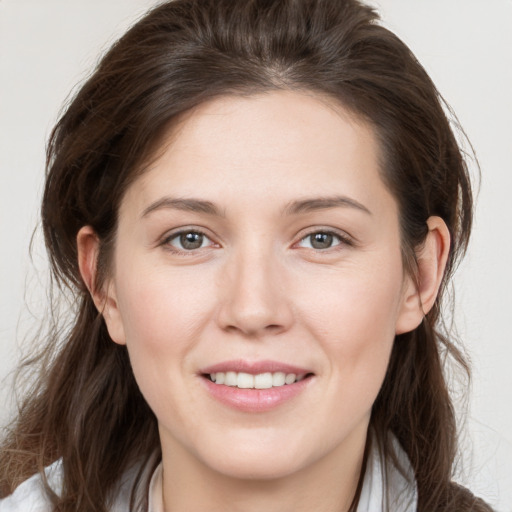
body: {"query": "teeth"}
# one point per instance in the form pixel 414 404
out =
pixel 230 379
pixel 263 380
pixel 278 379
pixel 245 380
pixel 260 381
pixel 290 378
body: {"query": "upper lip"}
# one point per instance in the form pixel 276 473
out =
pixel 254 367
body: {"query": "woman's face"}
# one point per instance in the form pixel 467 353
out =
pixel 261 250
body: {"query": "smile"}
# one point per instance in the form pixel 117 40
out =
pixel 255 386
pixel 265 380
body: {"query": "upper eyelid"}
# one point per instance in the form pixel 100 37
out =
pixel 343 242
pixel 343 235
pixel 173 233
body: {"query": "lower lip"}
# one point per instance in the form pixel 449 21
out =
pixel 255 400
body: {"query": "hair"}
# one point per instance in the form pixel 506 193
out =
pixel 180 55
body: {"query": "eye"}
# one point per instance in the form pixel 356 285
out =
pixel 187 240
pixel 320 240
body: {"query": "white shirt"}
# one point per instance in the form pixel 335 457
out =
pixel 400 491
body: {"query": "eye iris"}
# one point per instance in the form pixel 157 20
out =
pixel 321 240
pixel 191 240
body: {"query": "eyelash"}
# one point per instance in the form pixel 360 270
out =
pixel 343 240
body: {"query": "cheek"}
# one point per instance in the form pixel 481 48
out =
pixel 162 315
pixel 354 304
pixel 161 309
pixel 354 319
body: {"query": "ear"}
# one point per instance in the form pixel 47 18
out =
pixel 420 294
pixel 104 297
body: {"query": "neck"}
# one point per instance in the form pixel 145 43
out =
pixel 328 484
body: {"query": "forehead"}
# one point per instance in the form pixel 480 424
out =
pixel 276 144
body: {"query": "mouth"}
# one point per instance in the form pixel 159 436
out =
pixel 255 387
pixel 265 380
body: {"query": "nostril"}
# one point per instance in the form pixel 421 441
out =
pixel 254 331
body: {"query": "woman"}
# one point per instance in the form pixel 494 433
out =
pixel 258 206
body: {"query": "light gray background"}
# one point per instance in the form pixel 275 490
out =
pixel 47 47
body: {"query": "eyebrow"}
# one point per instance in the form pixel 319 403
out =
pixel 323 203
pixel 189 205
pixel 292 208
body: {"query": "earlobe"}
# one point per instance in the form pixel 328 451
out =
pixel 420 294
pixel 104 296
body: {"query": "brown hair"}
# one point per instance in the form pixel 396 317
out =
pixel 85 408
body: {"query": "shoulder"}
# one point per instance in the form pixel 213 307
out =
pixel 461 499
pixel 30 496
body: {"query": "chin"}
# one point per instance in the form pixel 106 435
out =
pixel 254 461
pixel 263 468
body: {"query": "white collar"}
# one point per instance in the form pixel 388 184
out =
pixel 156 495
pixel 385 488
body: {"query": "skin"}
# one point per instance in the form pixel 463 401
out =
pixel 259 288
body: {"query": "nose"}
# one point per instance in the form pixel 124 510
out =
pixel 255 299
